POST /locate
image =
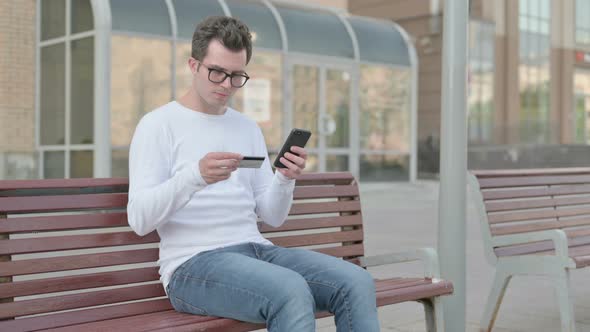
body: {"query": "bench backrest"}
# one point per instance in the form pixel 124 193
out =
pixel 530 200
pixel 69 241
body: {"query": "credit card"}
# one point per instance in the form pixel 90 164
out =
pixel 251 162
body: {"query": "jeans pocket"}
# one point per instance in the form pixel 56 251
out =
pixel 182 306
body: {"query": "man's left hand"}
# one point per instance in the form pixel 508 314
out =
pixel 294 161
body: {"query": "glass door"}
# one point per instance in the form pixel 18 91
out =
pixel 582 106
pixel 321 102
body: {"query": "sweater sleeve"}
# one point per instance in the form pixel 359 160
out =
pixel 154 193
pixel 273 192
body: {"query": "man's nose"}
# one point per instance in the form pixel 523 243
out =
pixel 226 83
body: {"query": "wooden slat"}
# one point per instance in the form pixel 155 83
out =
pixel 324 178
pixel 65 302
pixel 414 293
pixel 63 222
pixel 62 203
pixel 325 192
pixel 313 223
pixel 325 207
pixel 75 282
pixel 352 250
pixel 69 242
pixel 74 262
pixel 532 215
pixel 530 171
pixel 536 192
pixel 85 316
pixel 314 239
pixel 522 181
pixel 62 183
pixel 538 247
pixel 503 229
pixel 496 206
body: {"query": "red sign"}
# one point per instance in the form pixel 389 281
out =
pixel 582 57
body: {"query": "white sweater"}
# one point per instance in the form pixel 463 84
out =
pixel 168 194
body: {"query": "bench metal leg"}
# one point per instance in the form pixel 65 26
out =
pixel 501 280
pixel 434 315
pixel 565 301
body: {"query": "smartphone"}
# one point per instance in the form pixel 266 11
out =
pixel 297 137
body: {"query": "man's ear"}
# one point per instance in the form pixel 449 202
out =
pixel 193 65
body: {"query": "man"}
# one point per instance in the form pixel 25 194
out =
pixel 184 183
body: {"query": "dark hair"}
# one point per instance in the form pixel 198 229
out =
pixel 231 32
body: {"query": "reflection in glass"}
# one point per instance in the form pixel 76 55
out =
pixel 306 100
pixel 385 108
pixel 53 19
pixel 336 122
pixel 81 16
pixel 120 163
pixel 82 94
pixel 481 82
pixel 261 98
pixel 54 165
pixel 143 16
pixel 140 82
pixel 380 167
pixel 336 163
pixel 81 164
pixel 52 104
pixel 582 106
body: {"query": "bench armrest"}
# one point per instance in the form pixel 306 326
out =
pixel 428 256
pixel 558 237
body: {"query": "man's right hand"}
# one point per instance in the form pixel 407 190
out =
pixel 218 166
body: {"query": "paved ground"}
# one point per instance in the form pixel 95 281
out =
pixel 403 216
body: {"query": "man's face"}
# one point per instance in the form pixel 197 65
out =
pixel 218 58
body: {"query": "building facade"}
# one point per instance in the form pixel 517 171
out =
pixel 528 79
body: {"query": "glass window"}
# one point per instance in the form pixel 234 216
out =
pixel 316 33
pixel 264 28
pixel 306 100
pixel 53 19
pixel 384 108
pixel 534 72
pixel 82 92
pixel 336 120
pixel 54 165
pixel 384 168
pixel 261 98
pixel 582 22
pixel 335 163
pixel 481 83
pixel 190 12
pixel 81 17
pixel 53 87
pixel 143 16
pixel 380 42
pixel 140 82
pixel 81 164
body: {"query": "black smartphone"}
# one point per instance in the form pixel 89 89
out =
pixel 297 137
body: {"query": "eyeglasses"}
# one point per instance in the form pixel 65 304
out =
pixel 218 76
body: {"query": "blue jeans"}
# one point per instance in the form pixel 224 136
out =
pixel 278 286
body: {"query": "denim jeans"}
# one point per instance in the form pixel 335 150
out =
pixel 278 286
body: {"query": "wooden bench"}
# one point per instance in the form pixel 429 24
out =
pixel 70 262
pixel 533 222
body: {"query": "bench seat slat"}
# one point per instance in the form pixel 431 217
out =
pixel 515 228
pixel 352 250
pixel 324 207
pixel 60 183
pixel 75 282
pixel 33 204
pixel 74 262
pixel 313 223
pixel 325 192
pixel 327 178
pixel 63 222
pixel 536 192
pixel 73 301
pixel 541 214
pixel 68 242
pixel 314 239
pixel 539 247
pixel 388 291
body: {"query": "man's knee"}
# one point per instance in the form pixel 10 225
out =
pixel 359 282
pixel 293 290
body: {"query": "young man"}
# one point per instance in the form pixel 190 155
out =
pixel 184 183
